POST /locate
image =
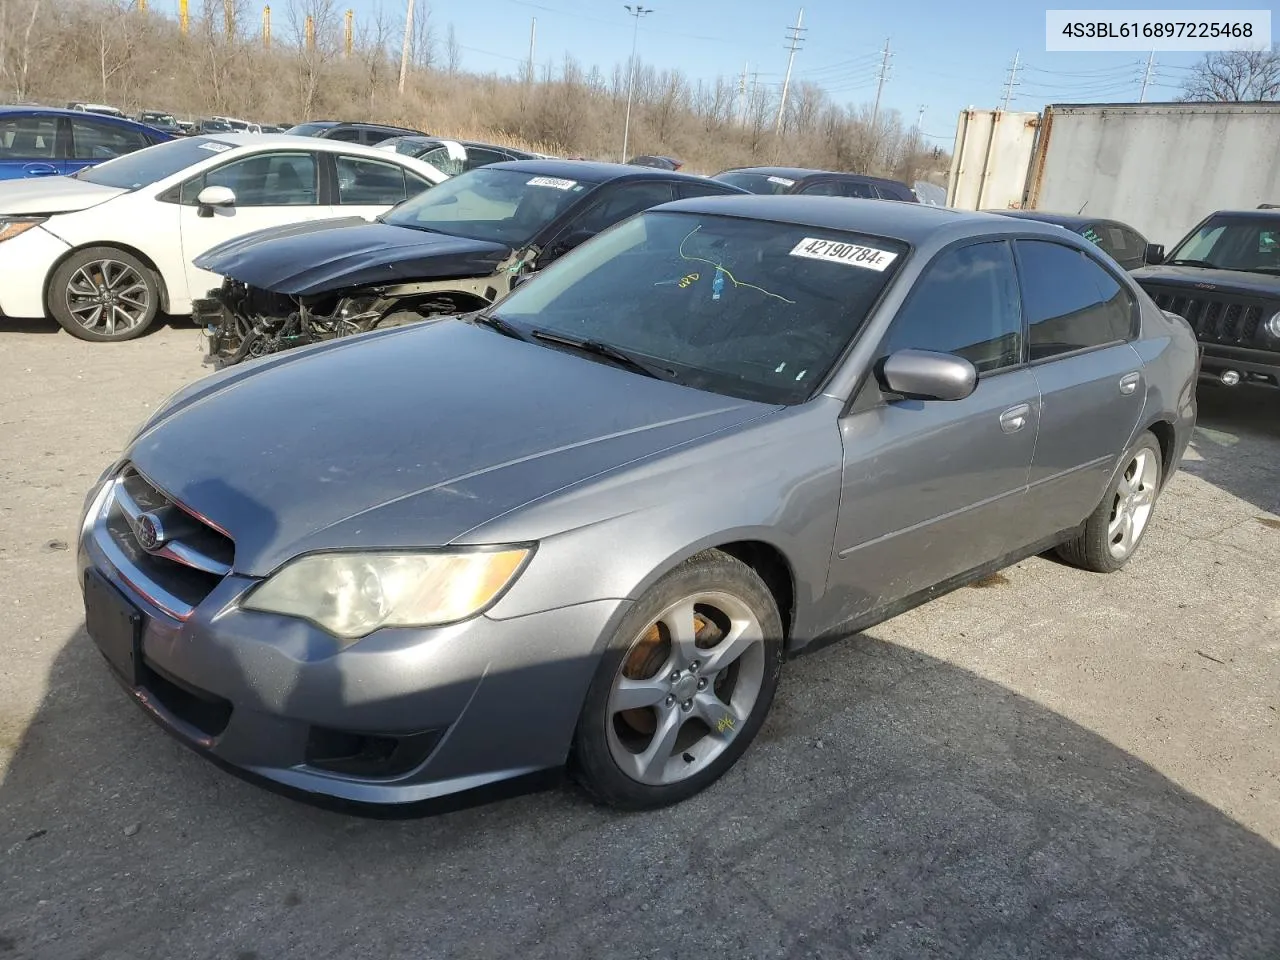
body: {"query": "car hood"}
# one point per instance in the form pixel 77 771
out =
pixel 52 195
pixel 329 255
pixel 408 437
pixel 1201 278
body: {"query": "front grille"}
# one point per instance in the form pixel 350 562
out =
pixel 190 558
pixel 1214 317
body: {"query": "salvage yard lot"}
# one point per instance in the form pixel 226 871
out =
pixel 1050 763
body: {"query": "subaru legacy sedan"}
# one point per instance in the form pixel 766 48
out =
pixel 583 527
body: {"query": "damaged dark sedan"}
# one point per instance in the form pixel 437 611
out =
pixel 452 249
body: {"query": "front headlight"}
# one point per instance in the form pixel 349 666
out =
pixel 1273 325
pixel 353 594
pixel 11 227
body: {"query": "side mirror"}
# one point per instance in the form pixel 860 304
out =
pixel 925 375
pixel 568 242
pixel 1154 253
pixel 211 197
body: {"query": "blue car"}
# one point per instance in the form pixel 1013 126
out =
pixel 47 142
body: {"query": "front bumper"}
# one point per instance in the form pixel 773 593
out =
pixel 1256 367
pixel 468 705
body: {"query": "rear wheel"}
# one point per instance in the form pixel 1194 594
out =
pixel 103 294
pixel 1114 530
pixel 683 688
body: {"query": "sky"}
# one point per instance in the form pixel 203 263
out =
pixel 945 56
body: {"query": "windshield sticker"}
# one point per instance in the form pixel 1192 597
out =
pixel 215 147
pixel 1091 236
pixel 853 254
pixel 783 181
pixel 555 182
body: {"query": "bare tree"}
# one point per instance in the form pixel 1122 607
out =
pixel 372 53
pixel 16 45
pixel 452 52
pixel 422 42
pixel 313 24
pixel 1234 76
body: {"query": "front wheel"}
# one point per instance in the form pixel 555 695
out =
pixel 103 294
pixel 683 688
pixel 1114 530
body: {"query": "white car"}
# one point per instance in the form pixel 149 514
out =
pixel 103 251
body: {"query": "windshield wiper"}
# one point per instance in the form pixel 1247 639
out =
pixel 495 322
pixel 614 355
pixel 1191 263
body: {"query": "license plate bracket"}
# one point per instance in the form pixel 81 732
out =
pixel 115 626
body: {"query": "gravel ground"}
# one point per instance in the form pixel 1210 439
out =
pixel 1049 764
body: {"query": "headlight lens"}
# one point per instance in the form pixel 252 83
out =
pixel 11 227
pixel 1273 325
pixel 352 594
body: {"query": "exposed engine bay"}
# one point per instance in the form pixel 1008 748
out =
pixel 241 322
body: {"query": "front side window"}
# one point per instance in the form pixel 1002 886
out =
pixel 440 158
pixel 753 309
pixel 369 183
pixel 621 202
pixel 262 180
pixel 856 188
pixel 28 138
pixel 104 141
pixel 1071 302
pixel 346 135
pixel 1232 243
pixel 502 206
pixel 824 188
pixel 966 304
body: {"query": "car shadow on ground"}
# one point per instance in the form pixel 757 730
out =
pixel 1246 471
pixel 894 806
pixel 49 325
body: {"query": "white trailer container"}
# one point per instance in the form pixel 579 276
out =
pixel 990 159
pixel 1160 167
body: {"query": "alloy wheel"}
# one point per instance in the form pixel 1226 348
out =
pixel 108 297
pixel 1131 509
pixel 685 688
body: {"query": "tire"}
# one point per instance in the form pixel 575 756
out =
pixel 699 704
pixel 1109 539
pixel 104 295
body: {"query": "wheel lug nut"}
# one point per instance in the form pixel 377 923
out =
pixel 687 705
pixel 675 676
pixel 695 665
pixel 702 683
pixel 670 700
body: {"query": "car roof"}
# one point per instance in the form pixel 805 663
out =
pixel 1068 220
pixel 1267 214
pixel 294 140
pixel 63 112
pixel 912 223
pixel 802 173
pixel 596 171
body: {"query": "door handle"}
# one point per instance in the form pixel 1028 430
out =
pixel 1015 418
pixel 39 170
pixel 1129 383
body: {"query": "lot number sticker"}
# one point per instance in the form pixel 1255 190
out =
pixel 783 181
pixel 555 182
pixel 215 147
pixel 853 254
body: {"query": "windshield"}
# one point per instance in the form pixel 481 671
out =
pixel 753 309
pixel 309 129
pixel 757 182
pixel 1251 244
pixel 501 206
pixel 144 167
pixel 162 120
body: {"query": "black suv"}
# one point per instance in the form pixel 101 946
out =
pixel 1224 279
pixel 366 133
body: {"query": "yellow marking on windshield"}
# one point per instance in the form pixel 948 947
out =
pixel 732 279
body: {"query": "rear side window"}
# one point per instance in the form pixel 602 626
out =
pixel 621 202
pixel 695 189
pixel 966 304
pixel 824 188
pixel 1071 303
pixel 28 138
pixel 103 141
pixel 345 134
pixel 856 188
pixel 369 182
pixel 479 157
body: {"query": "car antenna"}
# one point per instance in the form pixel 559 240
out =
pixel 1082 206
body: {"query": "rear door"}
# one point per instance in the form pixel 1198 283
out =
pixel 29 146
pixel 94 140
pixel 1080 319
pixel 272 188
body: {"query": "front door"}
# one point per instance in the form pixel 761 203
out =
pixel 930 487
pixel 271 189
pixel 1080 320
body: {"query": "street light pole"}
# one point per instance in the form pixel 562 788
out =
pixel 636 11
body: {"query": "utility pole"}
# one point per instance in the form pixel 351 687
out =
pixel 533 39
pixel 793 44
pixel 1012 80
pixel 636 11
pixel 309 32
pixel 348 33
pixel 408 45
pixel 184 17
pixel 742 92
pixel 266 27
pixel 881 77
pixel 920 117
pixel 1146 77
pixel 229 17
